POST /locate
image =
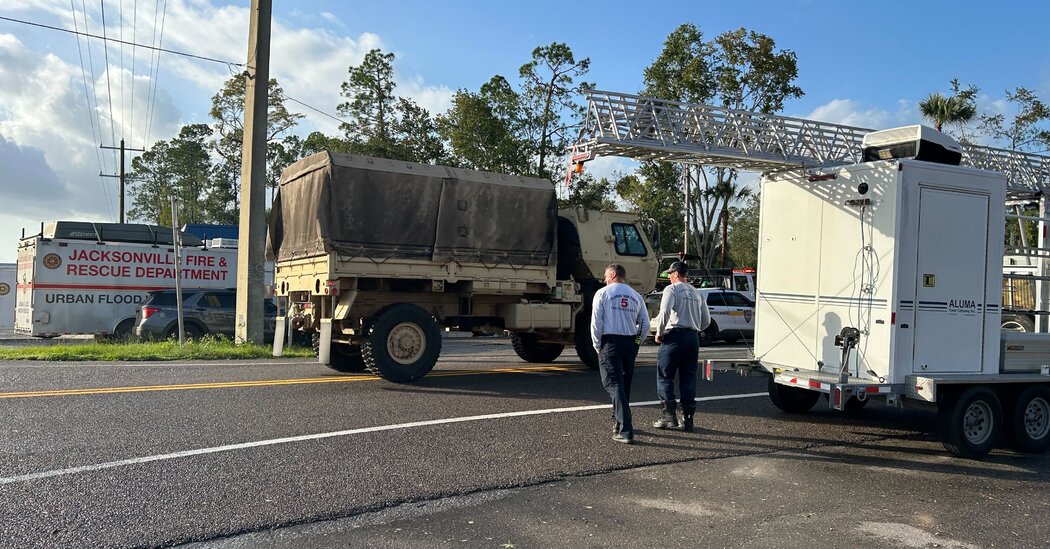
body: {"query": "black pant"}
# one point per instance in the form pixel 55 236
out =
pixel 616 363
pixel 679 353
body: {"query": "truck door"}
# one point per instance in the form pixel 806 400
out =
pixel 742 311
pixel 951 266
pixel 742 283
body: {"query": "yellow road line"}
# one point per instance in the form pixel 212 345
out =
pixel 274 382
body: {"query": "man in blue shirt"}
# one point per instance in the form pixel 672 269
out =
pixel 618 316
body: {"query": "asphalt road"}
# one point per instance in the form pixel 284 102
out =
pixel 487 451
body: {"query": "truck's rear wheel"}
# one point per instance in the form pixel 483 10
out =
pixel 971 422
pixel 403 344
pixel 582 339
pixel 1030 419
pixel 530 349
pixel 344 358
pixel 791 399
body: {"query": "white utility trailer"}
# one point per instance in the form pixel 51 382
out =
pixel 880 262
pixel 7 297
pixel 79 277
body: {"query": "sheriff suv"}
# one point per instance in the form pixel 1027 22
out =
pixel 732 315
pixel 203 312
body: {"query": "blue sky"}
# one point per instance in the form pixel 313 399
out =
pixel 864 64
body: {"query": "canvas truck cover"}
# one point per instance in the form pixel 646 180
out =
pixel 381 209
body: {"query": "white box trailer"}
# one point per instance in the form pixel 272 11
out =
pixel 880 272
pixel 7 297
pixel 884 280
pixel 89 278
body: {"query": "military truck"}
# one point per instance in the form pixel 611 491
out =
pixel 375 258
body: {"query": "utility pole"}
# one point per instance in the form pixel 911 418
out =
pixel 250 289
pixel 176 240
pixel 121 175
pixel 688 208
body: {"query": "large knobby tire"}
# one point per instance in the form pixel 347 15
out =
pixel 343 358
pixel 582 339
pixel 971 422
pixel 303 339
pixel 530 349
pixel 791 399
pixel 403 343
pixel 1029 420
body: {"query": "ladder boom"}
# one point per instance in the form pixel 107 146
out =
pixel 647 128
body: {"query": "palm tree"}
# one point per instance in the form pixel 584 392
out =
pixel 959 108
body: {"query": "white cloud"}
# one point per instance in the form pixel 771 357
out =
pixel 309 63
pixel 850 113
pixel 608 166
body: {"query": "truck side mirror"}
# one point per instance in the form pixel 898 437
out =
pixel 654 235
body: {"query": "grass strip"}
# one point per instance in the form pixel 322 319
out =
pixel 209 348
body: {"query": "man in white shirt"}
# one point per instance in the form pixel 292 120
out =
pixel 683 315
pixel 618 316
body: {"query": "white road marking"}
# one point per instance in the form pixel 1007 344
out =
pixel 333 434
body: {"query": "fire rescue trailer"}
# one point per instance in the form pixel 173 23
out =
pixel 880 262
pixel 88 278
pixel 7 297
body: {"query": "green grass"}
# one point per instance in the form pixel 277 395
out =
pixel 209 348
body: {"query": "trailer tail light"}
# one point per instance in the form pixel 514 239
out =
pixel 148 312
pixel 836 398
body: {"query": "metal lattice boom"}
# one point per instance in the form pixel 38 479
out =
pixel 646 128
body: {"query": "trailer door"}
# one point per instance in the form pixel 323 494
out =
pixel 951 268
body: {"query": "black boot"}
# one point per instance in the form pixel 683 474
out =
pixel 687 417
pixel 669 419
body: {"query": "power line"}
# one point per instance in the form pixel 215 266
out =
pixel 109 85
pixel 103 37
pixel 91 116
pixel 134 34
pixel 123 96
pixel 157 50
pixel 333 117
pixel 149 87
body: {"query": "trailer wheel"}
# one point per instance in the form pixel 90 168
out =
pixel 344 358
pixel 530 349
pixel 971 422
pixel 791 399
pixel 122 333
pixel 1017 323
pixel 1030 419
pixel 582 338
pixel 403 343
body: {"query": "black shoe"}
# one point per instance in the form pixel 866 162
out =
pixel 624 439
pixel 669 419
pixel 687 419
